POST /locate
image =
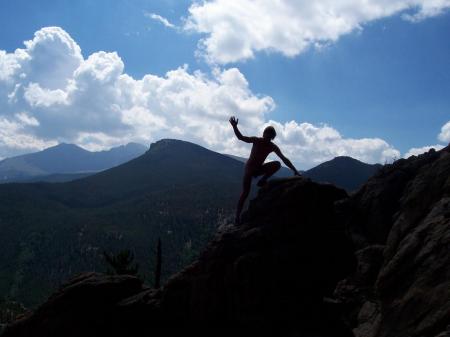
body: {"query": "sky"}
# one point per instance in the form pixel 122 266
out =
pixel 368 79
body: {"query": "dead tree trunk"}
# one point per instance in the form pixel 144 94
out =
pixel 158 265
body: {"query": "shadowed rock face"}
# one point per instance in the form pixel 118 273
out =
pixel 82 307
pixel 270 275
pixel 400 221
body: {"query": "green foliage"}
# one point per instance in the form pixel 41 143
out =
pixel 9 311
pixel 49 232
pixel 122 263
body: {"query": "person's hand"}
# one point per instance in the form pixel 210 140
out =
pixel 234 121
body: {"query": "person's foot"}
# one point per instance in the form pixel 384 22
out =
pixel 262 182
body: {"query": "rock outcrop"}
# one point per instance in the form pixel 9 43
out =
pixel 386 248
pixel 400 223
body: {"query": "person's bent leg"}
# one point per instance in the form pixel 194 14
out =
pixel 268 169
pixel 246 184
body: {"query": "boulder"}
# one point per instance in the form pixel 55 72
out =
pixel 81 307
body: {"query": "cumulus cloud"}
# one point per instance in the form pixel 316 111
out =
pixel 93 103
pixel 415 151
pixel 236 29
pixel 36 96
pixel 310 144
pixel 444 136
pixel 14 135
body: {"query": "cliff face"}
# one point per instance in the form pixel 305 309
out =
pixel 400 222
pixel 277 273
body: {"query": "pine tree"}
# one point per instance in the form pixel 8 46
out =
pixel 122 263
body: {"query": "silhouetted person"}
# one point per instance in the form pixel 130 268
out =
pixel 262 147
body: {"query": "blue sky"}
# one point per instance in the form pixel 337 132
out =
pixel 384 78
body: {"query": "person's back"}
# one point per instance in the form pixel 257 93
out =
pixel 255 166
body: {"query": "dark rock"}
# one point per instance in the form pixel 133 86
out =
pixel 82 307
pixel 405 209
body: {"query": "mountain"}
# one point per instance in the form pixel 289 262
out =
pixel 67 162
pixel 241 159
pixel 344 172
pixel 308 260
pixel 65 159
pixel 57 177
pixel 177 191
pixel 282 173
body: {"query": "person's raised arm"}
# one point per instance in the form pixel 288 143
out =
pixel 286 161
pixel 234 123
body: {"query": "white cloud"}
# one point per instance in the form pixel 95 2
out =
pixel 415 151
pixel 236 29
pixel 444 136
pixel 93 103
pixel 160 19
pixel 42 97
pixel 309 145
pixel 428 9
pixel 49 59
pixel 27 120
pixel 14 135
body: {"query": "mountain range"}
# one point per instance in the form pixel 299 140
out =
pixel 68 161
pixel 344 172
pixel 307 260
pixel 177 191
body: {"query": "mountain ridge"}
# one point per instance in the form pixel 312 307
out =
pixel 185 189
pixel 65 159
pixel 343 171
pixel 173 185
pixel 308 260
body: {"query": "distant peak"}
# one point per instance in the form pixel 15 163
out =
pixel 169 141
pixel 65 146
pixel 135 145
pixel 163 143
pixel 174 145
pixel 348 159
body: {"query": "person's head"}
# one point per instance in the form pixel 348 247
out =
pixel 269 133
